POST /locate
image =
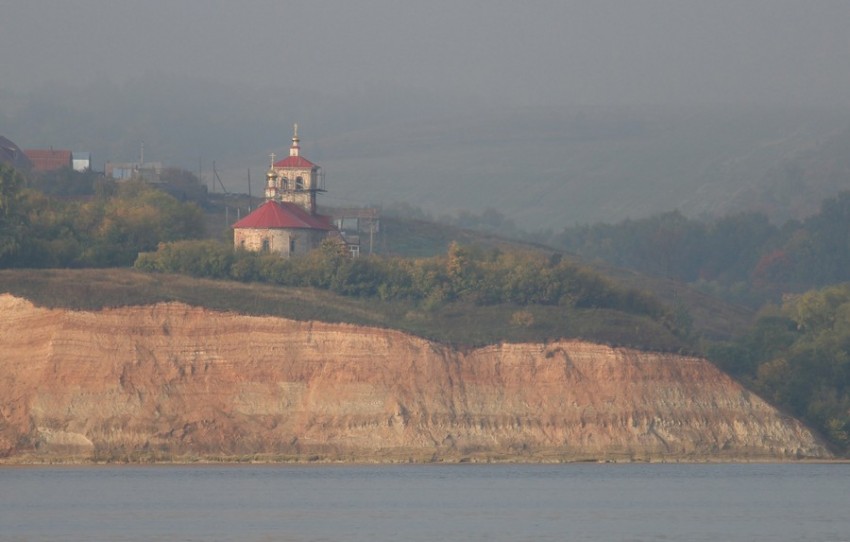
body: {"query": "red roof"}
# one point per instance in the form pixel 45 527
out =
pixel 295 161
pixel 48 159
pixel 274 214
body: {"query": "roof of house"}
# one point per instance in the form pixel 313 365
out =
pixel 283 215
pixel 48 159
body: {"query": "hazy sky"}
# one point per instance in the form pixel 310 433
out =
pixel 499 52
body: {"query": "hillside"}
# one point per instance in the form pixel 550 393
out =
pixel 794 187
pixel 543 167
pixel 168 382
pixel 712 317
pixel 555 167
pixel 461 324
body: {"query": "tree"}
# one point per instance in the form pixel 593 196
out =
pixel 68 182
pixel 11 218
pixel 799 359
pixel 829 234
pixel 136 219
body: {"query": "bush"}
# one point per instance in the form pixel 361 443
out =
pixel 209 259
pixel 522 319
pixel 464 275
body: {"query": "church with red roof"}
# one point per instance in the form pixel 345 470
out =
pixel 287 223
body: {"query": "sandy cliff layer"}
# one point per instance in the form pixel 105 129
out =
pixel 172 381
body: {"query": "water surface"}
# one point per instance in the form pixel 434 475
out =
pixel 578 502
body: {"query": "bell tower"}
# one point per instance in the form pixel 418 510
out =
pixel 294 179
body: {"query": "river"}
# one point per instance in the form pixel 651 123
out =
pixel 574 502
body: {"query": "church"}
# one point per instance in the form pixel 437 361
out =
pixel 288 222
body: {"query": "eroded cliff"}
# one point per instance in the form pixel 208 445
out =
pixel 170 381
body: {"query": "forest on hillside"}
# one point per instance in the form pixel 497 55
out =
pixel 797 355
pixel 90 222
pixel 743 257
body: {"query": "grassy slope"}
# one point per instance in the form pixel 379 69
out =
pixel 457 324
pixel 712 318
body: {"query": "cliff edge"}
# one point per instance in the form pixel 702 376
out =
pixel 174 382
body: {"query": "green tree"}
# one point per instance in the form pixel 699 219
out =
pixel 136 219
pixel 11 217
pixel 799 358
pixel 68 182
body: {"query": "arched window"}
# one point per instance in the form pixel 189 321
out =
pixel 299 183
pixel 284 183
pixel 266 246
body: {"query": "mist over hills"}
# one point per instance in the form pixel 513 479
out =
pixel 544 167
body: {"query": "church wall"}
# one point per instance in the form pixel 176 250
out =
pixel 279 240
pixel 302 199
pixel 308 240
pixel 252 239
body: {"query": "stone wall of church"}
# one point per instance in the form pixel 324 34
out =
pixel 307 240
pixel 262 239
pixel 303 199
pixel 286 242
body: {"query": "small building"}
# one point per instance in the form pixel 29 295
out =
pixel 48 159
pixel 81 161
pixel 122 171
pixel 288 222
pixel 359 227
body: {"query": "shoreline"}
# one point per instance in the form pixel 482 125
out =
pixel 260 460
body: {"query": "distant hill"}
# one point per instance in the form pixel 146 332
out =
pixel 554 168
pixel 542 167
pixel 794 187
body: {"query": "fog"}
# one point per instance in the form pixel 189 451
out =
pixel 503 52
pixel 342 67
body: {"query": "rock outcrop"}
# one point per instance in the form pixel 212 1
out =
pixel 170 381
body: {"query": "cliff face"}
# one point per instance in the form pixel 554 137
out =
pixel 172 381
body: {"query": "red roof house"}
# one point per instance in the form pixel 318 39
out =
pixel 48 159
